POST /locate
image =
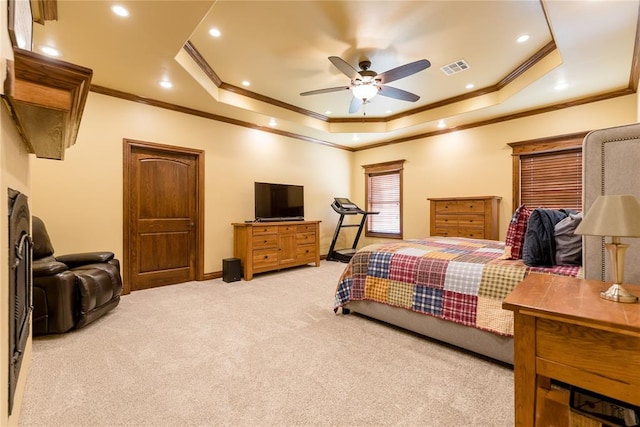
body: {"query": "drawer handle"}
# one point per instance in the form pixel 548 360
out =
pixel 266 256
pixel 265 241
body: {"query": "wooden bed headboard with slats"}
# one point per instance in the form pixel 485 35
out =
pixel 611 159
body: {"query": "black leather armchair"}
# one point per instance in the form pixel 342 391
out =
pixel 70 291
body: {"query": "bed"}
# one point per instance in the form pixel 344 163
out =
pixel 450 289
pixel 378 281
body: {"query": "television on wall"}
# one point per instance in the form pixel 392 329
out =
pixel 279 202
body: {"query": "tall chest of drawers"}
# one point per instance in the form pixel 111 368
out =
pixel 473 217
pixel 267 246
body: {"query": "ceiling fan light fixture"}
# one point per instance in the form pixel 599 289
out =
pixel 364 91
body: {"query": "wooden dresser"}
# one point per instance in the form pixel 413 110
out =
pixel 267 246
pixel 563 330
pixel 473 217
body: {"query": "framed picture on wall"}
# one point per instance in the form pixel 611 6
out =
pixel 20 24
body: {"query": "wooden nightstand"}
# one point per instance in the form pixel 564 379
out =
pixel 564 330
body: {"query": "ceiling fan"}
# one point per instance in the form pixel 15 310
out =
pixel 366 83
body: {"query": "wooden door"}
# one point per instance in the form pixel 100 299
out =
pixel 163 213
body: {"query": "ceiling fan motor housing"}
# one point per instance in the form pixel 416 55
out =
pixel 367 74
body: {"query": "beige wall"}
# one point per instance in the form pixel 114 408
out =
pixel 80 198
pixel 15 174
pixel 477 161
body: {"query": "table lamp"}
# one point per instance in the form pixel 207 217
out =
pixel 616 216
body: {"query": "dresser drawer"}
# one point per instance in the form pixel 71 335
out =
pixel 305 238
pixel 284 229
pixel 471 233
pixel 306 228
pixel 471 221
pixel 264 258
pixel 446 232
pixel 306 253
pixel 446 221
pixel 446 206
pixel 265 241
pixel 264 229
pixel 470 206
pixel 556 344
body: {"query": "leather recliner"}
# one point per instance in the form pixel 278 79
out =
pixel 70 291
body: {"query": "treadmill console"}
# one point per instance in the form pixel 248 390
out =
pixel 345 204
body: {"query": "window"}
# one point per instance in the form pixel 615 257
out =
pixel 547 173
pixel 383 192
pixel 552 180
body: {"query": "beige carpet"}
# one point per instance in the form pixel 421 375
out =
pixel 268 352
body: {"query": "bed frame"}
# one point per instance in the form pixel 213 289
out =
pixel 476 340
pixel 610 159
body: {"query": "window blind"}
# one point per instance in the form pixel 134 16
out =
pixel 384 197
pixel 552 180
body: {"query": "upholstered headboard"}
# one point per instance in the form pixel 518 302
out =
pixel 611 158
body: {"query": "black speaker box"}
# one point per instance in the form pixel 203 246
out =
pixel 231 270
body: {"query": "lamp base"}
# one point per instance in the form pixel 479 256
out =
pixel 618 294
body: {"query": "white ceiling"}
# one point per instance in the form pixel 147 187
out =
pixel 282 48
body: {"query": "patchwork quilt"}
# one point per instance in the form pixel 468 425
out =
pixel 456 279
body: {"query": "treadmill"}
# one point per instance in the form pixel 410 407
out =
pixel 344 207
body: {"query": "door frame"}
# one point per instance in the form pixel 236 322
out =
pixel 127 203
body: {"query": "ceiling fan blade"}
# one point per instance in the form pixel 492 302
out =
pixel 403 71
pixel 344 66
pixel 394 92
pixel 355 105
pixel 329 89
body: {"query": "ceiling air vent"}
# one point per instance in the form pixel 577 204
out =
pixel 455 67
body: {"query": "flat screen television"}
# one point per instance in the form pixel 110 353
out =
pixel 279 202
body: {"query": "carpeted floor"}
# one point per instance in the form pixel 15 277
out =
pixel 268 352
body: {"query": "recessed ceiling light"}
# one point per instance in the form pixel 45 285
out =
pixel 119 10
pixel 523 38
pixel 166 84
pixel 273 123
pixel 355 138
pixel 51 51
pixel 214 32
pixel 470 86
pixel 441 124
pixel 389 112
pixel 561 86
pixel 328 112
pixel 246 83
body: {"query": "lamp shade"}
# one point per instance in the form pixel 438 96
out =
pixel 364 91
pixel 612 215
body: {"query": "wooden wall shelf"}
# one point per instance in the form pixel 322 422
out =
pixel 46 98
